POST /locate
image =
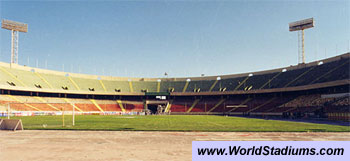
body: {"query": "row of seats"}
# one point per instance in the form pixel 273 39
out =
pixel 28 103
pixel 315 100
pixel 270 104
pixel 241 104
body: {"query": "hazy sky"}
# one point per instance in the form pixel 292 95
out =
pixel 182 38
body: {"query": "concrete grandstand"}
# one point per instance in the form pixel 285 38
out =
pixel 317 89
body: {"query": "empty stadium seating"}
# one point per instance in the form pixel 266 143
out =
pixel 33 89
pixel 337 69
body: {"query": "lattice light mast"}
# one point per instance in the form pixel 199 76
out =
pixel 300 26
pixel 15 27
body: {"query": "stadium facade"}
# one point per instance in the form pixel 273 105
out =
pixel 317 89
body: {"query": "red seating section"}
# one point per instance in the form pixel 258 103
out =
pixel 133 107
pixel 110 107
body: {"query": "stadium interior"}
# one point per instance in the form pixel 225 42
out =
pixel 318 89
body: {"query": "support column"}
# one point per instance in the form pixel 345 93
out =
pixel 14 47
pixel 303 49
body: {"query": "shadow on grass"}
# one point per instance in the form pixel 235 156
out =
pixel 314 120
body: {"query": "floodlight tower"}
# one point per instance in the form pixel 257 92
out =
pixel 300 26
pixel 15 27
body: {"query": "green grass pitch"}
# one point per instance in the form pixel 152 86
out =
pixel 172 123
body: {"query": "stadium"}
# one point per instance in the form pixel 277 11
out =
pixel 97 113
pixel 313 90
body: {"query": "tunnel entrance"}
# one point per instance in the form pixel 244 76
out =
pixel 156 107
pixel 152 108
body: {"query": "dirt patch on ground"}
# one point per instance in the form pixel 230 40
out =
pixel 126 145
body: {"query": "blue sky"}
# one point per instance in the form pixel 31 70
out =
pixel 182 38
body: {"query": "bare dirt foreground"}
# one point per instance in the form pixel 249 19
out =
pixel 126 145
